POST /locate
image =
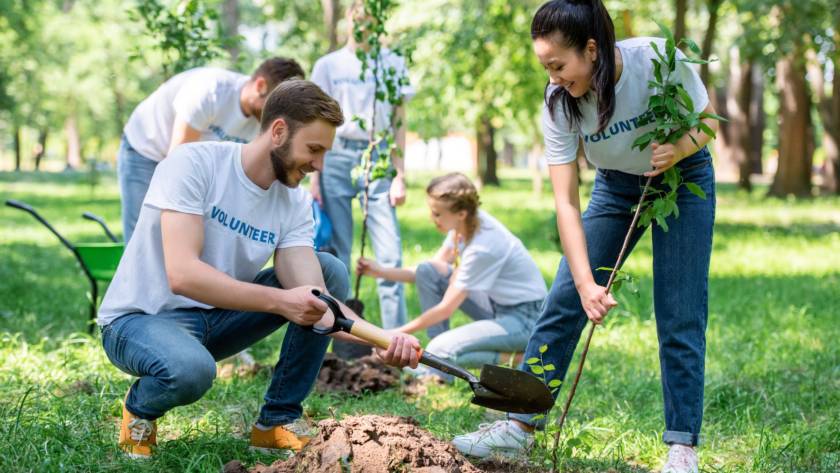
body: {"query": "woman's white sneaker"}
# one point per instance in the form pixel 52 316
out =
pixel 681 459
pixel 502 437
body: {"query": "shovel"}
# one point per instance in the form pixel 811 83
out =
pixel 501 389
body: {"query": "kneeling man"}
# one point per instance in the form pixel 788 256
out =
pixel 190 288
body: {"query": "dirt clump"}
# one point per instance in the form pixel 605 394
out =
pixel 365 374
pixel 370 444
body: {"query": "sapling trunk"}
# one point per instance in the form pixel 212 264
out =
pixel 613 273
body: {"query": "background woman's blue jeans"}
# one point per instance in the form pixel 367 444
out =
pixel 134 173
pixel 338 190
pixel 174 353
pixel 680 289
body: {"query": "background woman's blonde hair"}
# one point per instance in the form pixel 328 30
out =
pixel 458 193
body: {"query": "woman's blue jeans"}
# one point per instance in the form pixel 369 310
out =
pixel 680 289
pixel 494 330
pixel 174 353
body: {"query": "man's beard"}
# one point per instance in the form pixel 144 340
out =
pixel 281 161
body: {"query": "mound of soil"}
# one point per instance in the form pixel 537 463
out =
pixel 369 444
pixel 368 373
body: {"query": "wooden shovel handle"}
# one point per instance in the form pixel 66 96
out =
pixel 373 334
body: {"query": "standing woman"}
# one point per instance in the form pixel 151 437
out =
pixel 598 92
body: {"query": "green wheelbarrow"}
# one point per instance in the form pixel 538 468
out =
pixel 98 260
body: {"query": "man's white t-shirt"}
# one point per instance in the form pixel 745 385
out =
pixel 496 264
pixel 206 98
pixel 243 225
pixel 338 73
pixel 612 148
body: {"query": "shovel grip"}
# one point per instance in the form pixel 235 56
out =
pixel 371 333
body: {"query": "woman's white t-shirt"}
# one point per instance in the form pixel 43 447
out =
pixel 612 147
pixel 496 264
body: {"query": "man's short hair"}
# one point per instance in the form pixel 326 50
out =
pixel 277 70
pixel 300 102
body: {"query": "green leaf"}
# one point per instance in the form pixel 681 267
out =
pixel 706 129
pixel 536 369
pixel 543 348
pixel 687 102
pixel 713 115
pixel 692 46
pixel 695 189
pixel 532 360
pixel 661 222
pixel 549 367
pixel 554 383
pixel 538 417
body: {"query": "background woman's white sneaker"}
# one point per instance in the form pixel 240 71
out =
pixel 681 459
pixel 502 437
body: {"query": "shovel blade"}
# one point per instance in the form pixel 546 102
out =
pixel 509 390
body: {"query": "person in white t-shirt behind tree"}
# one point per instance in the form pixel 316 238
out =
pixel 481 268
pixel 338 74
pixel 201 104
pixel 191 289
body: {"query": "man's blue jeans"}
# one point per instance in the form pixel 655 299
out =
pixel 338 190
pixel 680 289
pixel 134 173
pixel 174 353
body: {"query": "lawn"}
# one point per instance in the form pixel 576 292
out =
pixel 773 360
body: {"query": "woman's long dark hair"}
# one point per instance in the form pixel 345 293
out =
pixel 578 21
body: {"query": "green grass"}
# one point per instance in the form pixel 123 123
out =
pixel 773 361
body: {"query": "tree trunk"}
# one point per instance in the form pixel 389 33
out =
pixel 829 109
pixel 74 143
pixel 736 133
pixel 508 154
pixel 41 150
pixel 713 7
pixel 534 166
pixel 681 7
pixel 487 156
pixel 793 174
pixel 230 22
pixel 331 16
pixel 758 119
pixel 742 125
pixel 627 23
pixel 18 140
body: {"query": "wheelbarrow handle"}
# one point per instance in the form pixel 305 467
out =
pixel 31 211
pixel 21 205
pixel 101 222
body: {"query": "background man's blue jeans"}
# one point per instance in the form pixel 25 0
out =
pixel 338 190
pixel 680 289
pixel 174 353
pixel 134 173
